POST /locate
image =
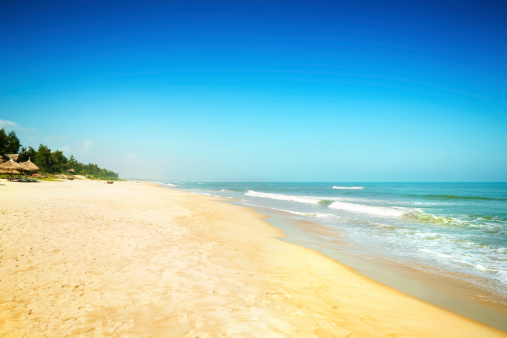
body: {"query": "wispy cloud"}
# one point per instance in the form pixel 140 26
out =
pixel 11 125
pixel 7 124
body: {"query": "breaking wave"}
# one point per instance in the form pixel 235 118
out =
pixel 333 204
pixel 281 197
pixel 368 209
pixel 308 214
pixel 347 188
pixel 406 213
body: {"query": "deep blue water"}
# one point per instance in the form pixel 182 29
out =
pixel 453 227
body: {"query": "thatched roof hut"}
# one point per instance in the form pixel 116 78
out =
pixel 13 157
pixel 9 171
pixel 71 171
pixel 11 167
pixel 29 166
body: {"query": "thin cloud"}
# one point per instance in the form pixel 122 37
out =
pixel 11 125
pixel 7 124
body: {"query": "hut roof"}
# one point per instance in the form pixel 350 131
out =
pixel 13 157
pixel 28 165
pixel 9 171
pixel 24 166
pixel 11 165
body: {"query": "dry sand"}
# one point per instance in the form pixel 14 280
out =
pixel 92 259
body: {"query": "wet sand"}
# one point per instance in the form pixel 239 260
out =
pixel 451 291
pixel 92 259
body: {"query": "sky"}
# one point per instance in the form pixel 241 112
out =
pixel 335 91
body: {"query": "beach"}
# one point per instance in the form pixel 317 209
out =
pixel 88 258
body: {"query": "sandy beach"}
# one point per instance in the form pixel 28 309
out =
pixel 84 258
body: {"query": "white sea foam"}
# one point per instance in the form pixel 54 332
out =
pixel 308 214
pixel 202 193
pixel 502 276
pixel 334 204
pixel 480 267
pixel 368 209
pixel 380 225
pixel 347 188
pixel 171 185
pixel 436 254
pixel 281 197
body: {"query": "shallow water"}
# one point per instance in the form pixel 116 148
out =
pixel 448 228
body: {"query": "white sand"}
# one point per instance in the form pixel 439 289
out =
pixel 92 259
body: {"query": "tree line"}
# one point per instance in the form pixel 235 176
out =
pixel 52 162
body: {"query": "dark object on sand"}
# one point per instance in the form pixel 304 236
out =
pixel 110 182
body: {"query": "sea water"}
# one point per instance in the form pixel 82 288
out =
pixel 456 228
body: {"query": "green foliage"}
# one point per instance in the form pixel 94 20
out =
pixel 43 159
pixel 51 162
pixel 27 154
pixel 3 142
pixel 9 143
pixel 13 143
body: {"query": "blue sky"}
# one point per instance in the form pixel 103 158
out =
pixel 262 91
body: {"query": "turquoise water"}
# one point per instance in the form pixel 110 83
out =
pixel 451 227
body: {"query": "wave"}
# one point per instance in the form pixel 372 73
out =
pixel 407 213
pixel 368 209
pixel 281 197
pixel 502 276
pixel 454 197
pixel 171 185
pixel 307 214
pixel 347 188
pixel 497 219
pixel 436 254
pixel 334 204
pixel 430 218
pixel 471 222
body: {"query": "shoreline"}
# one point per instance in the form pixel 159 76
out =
pixel 445 291
pixel 90 258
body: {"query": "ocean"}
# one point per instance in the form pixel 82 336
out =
pixel 453 229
